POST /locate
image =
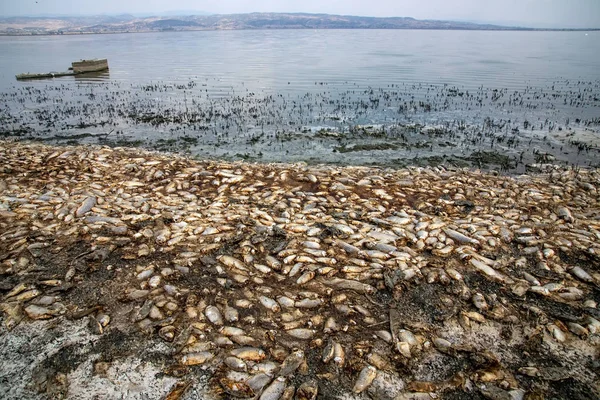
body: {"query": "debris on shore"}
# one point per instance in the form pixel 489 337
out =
pixel 278 280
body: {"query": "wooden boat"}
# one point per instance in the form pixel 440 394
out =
pixel 94 65
pixel 78 68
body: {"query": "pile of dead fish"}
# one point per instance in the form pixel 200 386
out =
pixel 292 281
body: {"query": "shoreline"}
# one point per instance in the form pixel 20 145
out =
pixel 6 34
pixel 126 272
pixel 395 125
pixel 126 23
pixel 359 150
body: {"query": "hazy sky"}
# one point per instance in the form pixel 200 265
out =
pixel 536 13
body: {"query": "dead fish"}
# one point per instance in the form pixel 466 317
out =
pixel 103 319
pixel 138 294
pixel 529 371
pixel 274 390
pixel 407 336
pixel 308 303
pixel 315 252
pixel 422 386
pixel 143 311
pixel 28 295
pixel 288 393
pixel 557 333
pixel 178 390
pixel 305 277
pixel 14 314
pixel 344 229
pixel 196 358
pixel 258 382
pixel 350 284
pixel 145 274
pixel 578 329
pixel 404 349
pixel 291 363
pixel 539 290
pixel 459 237
pixel 479 301
pixel 490 391
pixel 285 301
pixel 489 271
pixel 249 353
pixel 37 312
pixel 236 389
pixel 244 340
pixel 348 248
pixel 268 367
pixel 70 274
pixel 593 325
pixel 273 263
pixel 365 378
pixel 235 364
pixel 330 325
pixel 443 252
pixel 16 290
pixel 379 362
pixel 564 213
pixel 581 274
pixel 311 245
pixel 384 335
pixel 339 357
pixel 301 333
pixel 475 316
pixel 231 331
pixel 269 303
pixel 231 314
pixel 328 351
pixel 262 268
pixel 442 345
pixel 197 347
pixel 214 315
pixel 307 390
pixel 86 206
pixel 232 262
pixel 531 279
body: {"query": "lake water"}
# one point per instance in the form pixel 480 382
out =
pixel 269 59
pixel 291 83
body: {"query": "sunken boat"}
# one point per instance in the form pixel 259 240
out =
pixel 95 65
pixel 77 68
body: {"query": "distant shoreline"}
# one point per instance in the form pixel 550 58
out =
pixel 4 34
pixel 83 25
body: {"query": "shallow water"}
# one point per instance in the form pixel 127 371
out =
pixel 272 95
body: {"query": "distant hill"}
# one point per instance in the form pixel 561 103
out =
pixel 129 23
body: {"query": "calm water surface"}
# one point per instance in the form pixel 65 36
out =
pixel 269 60
pixel 289 95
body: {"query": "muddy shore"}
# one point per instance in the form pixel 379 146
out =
pixel 126 273
pixel 394 126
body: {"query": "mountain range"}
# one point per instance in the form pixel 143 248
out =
pixel 53 25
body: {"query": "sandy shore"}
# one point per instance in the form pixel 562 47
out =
pixel 132 274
